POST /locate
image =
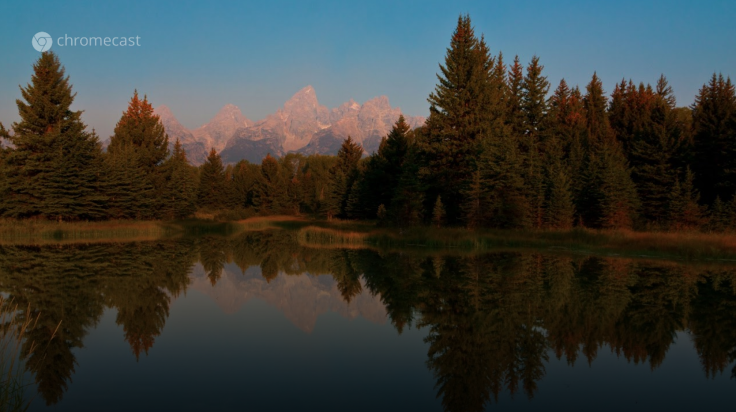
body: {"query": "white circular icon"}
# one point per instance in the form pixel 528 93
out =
pixel 42 41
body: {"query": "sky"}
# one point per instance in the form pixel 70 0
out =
pixel 195 57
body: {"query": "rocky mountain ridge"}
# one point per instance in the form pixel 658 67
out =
pixel 301 125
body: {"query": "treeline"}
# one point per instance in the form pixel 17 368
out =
pixel 498 150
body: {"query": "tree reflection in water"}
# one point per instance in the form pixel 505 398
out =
pixel 492 319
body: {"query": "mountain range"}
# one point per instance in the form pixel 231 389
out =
pixel 302 125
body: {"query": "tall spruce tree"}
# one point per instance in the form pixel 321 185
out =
pixel 383 168
pixel 55 166
pixel 343 176
pixel 271 189
pixel 684 210
pixel 128 188
pixel 245 178
pixel 610 198
pixel 515 113
pixel 179 199
pixel 407 204
pixel 654 144
pixel 459 113
pixel 140 132
pixel 501 168
pixel 534 88
pixel 714 139
pixel 212 186
pixel 142 129
pixel 566 124
pixel 559 207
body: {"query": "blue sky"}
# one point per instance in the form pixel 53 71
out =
pixel 196 57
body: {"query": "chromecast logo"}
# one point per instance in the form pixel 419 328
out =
pixel 42 41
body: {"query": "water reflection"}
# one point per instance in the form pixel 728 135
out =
pixel 492 320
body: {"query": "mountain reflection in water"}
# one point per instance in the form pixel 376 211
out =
pixel 492 320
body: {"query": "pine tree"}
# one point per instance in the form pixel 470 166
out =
pixel 475 205
pixel 534 110
pixel 129 190
pixel 714 140
pixel 55 166
pixel 459 116
pixel 438 213
pixel 613 192
pixel 381 214
pixel 180 195
pixel 245 179
pixel 383 168
pixel 534 98
pixel 271 195
pixel 501 174
pixel 720 219
pixel 685 212
pixel 343 175
pixel 566 127
pixel 596 117
pixel 141 129
pixel 654 146
pixel 407 205
pixel 514 102
pixel 212 187
pixel 559 207
pixel 610 199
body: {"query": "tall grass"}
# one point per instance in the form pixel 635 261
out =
pixel 322 237
pixel 30 231
pixel 13 388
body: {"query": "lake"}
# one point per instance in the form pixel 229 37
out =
pixel 260 321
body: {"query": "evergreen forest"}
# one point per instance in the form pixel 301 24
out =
pixel 501 148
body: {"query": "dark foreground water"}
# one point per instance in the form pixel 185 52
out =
pixel 260 322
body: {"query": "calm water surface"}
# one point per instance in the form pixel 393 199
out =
pixel 260 322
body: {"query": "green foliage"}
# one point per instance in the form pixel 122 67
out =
pixel 645 122
pixel 684 211
pixel 407 204
pixel 501 169
pixel 140 128
pixel 559 203
pixel 212 186
pixel 438 212
pixel 714 139
pixel 53 171
pixel 381 214
pixel 179 199
pixel 140 135
pixel 460 115
pixel 270 192
pixel 610 200
pixel 494 148
pixel 383 169
pixel 128 189
pixel 343 176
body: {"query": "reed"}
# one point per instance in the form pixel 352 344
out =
pixel 13 387
pixel 314 236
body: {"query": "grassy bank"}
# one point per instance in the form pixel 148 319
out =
pixel 658 245
pixel 351 234
pixel 40 232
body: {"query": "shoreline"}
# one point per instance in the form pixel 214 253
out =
pixel 365 234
